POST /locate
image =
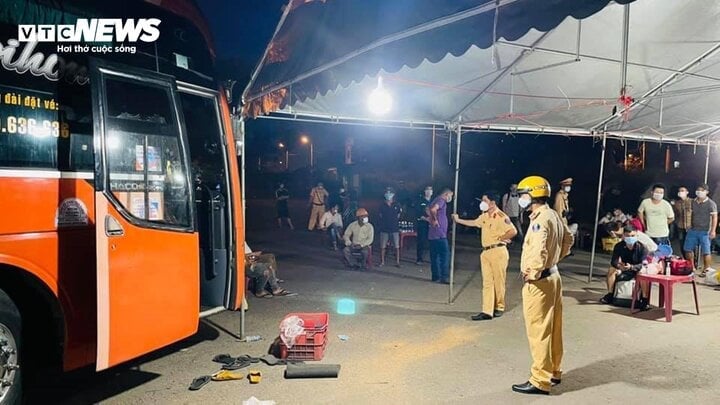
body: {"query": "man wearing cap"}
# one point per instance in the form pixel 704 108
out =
pixel 562 202
pixel 358 237
pixel 497 231
pixel 547 241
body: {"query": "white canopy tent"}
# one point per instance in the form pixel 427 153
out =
pixel 643 70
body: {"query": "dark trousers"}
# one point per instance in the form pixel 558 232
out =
pixel 440 259
pixel 516 222
pixel 680 235
pixel 349 253
pixel 422 240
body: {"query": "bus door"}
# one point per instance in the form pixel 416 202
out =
pixel 147 245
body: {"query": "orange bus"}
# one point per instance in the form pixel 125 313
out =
pixel 120 206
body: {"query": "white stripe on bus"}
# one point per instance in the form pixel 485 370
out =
pixel 45 174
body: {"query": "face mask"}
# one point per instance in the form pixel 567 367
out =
pixel 342 190
pixel 630 240
pixel 524 202
pixel 682 194
pixel 701 194
pixel 484 206
pixel 658 196
pixel 448 198
pixel 364 220
pixel 567 189
pixel 389 196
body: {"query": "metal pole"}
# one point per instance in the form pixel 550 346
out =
pixel 597 207
pixel 241 129
pixel 455 208
pixel 707 161
pixel 432 158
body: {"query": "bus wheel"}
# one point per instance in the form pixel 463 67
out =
pixel 10 381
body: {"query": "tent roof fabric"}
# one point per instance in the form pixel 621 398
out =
pixel 507 65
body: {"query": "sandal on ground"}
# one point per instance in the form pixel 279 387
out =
pixel 236 364
pixel 703 273
pixel 223 359
pixel 199 382
pixel 263 294
pixel 284 293
pixel 227 375
pixel 255 376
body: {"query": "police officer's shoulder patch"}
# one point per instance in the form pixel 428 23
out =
pixel 536 227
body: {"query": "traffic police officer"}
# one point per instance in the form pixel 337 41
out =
pixel 497 231
pixel 547 241
pixel 562 200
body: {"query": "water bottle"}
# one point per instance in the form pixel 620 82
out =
pixel 644 269
pixel 667 268
pixel 254 338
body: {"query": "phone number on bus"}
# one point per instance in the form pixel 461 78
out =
pixel 31 126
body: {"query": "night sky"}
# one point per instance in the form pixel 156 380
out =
pixel 241 32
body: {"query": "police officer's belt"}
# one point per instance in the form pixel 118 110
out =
pixel 493 246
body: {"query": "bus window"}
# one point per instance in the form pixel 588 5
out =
pixel 144 152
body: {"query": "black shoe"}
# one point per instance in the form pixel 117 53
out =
pixel 555 381
pixel 527 388
pixel 607 299
pixel 497 314
pixel 435 279
pixel 482 316
pixel 445 281
pixel 643 304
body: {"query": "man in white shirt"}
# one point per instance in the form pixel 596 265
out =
pixel 331 222
pixel 656 214
pixel 511 207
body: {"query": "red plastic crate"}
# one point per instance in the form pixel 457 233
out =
pixel 313 321
pixel 303 352
pixel 311 345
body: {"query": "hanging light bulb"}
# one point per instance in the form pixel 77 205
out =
pixel 380 101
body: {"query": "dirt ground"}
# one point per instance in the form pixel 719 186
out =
pixel 407 345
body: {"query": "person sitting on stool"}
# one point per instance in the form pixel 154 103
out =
pixel 627 259
pixel 359 235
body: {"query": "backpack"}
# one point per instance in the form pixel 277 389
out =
pixel 624 286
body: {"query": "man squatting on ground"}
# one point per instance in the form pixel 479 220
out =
pixel 359 235
pixel 547 241
pixel 497 232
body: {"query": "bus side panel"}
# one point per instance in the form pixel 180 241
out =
pixel 63 259
pixel 237 202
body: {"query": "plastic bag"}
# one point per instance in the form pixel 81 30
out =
pixel 290 328
pixel 712 277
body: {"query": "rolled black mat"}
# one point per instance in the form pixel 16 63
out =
pixel 312 371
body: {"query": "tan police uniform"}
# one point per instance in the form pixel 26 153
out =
pixel 493 259
pixel 318 195
pixel 547 241
pixel 562 205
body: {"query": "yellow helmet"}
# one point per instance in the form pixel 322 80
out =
pixel 536 186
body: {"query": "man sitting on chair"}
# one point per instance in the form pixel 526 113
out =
pixel 262 268
pixel 627 260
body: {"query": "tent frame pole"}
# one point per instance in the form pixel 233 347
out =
pixel 455 210
pixel 432 157
pixel 597 207
pixel 707 161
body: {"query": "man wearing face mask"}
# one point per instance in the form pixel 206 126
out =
pixel 422 223
pixel 497 231
pixel 547 241
pixel 437 235
pixel 682 207
pixel 511 207
pixel 703 225
pixel 358 237
pixel 656 214
pixel 562 199
pixel 389 226
pixel 627 259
